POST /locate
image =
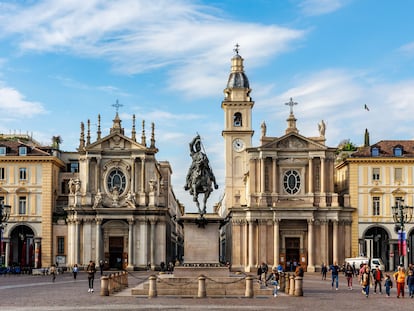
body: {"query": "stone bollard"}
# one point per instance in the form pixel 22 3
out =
pixel 104 286
pixel 152 291
pixel 249 287
pixel 125 283
pixel 298 286
pixel 282 281
pixel 111 284
pixel 287 284
pixel 291 285
pixel 202 292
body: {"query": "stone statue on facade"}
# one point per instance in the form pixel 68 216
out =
pixel 322 128
pixel 98 200
pixel 115 196
pixel 130 199
pixel 200 177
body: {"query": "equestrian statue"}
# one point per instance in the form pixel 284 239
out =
pixel 200 177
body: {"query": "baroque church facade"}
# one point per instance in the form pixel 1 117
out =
pixel 121 207
pixel 279 196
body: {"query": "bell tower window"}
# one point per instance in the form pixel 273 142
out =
pixel 237 119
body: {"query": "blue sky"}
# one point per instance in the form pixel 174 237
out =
pixel 167 62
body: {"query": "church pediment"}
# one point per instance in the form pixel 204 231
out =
pixel 115 141
pixel 293 141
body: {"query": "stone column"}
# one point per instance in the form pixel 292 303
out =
pixel 77 241
pixel 276 249
pixel 310 174
pixel 322 175
pixel 131 243
pixel 152 244
pixel 324 240
pixel 98 243
pixel 335 241
pixel 311 265
pixel 274 176
pixel 391 258
pixel 251 246
pixel 262 175
pixel 7 252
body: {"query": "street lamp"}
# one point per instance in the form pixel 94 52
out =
pixel 401 214
pixel 4 217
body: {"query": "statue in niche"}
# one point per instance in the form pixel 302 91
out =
pixel 152 184
pixel 200 176
pixel 71 184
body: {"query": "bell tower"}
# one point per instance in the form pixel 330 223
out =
pixel 237 133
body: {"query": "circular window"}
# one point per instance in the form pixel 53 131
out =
pixel 291 181
pixel 116 178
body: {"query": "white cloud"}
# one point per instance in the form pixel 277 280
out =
pixel 407 48
pixel 14 105
pixel 320 7
pixel 138 36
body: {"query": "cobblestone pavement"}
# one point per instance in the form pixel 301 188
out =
pixel 26 292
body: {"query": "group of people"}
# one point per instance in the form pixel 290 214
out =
pixel 374 277
pixel 274 276
pixel 90 270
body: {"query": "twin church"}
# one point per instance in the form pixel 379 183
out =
pixel 112 200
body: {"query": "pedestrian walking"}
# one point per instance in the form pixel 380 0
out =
pixel 324 270
pixel 299 270
pixel 75 271
pixel 101 266
pixel 52 272
pixel 388 285
pixel 378 278
pixel 265 269
pixel 366 280
pixel 349 273
pixel 91 270
pixel 274 278
pixel 335 275
pixel 399 278
pixel 410 283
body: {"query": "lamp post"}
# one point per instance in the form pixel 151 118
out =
pixel 401 214
pixel 4 217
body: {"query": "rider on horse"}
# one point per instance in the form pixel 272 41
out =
pixel 200 175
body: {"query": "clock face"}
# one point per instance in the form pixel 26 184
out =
pixel 238 145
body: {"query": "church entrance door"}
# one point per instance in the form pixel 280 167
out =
pixel 292 253
pixel 116 248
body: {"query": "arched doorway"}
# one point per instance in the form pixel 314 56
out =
pixel 22 247
pixel 377 244
pixel 115 243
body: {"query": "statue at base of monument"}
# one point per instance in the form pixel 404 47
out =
pixel 200 177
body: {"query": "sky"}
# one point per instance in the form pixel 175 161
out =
pixel 167 61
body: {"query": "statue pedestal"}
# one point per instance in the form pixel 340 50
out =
pixel 201 246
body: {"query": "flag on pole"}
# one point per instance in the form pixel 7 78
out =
pixel 366 107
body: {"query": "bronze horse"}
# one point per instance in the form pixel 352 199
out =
pixel 200 177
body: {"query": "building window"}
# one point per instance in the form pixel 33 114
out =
pixel 1 200
pixel 74 167
pixel 237 119
pixel 398 174
pixel 61 245
pixel 2 173
pixel 2 151
pixel 116 179
pixel 376 173
pixel 23 150
pixel 376 205
pixel 398 152
pixel 22 205
pixel 22 173
pixel 291 181
pixel 375 151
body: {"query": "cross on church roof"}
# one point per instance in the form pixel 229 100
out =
pixel 291 103
pixel 117 106
pixel 236 49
